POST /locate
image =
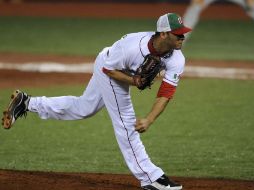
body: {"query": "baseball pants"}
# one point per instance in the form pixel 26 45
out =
pixel 115 96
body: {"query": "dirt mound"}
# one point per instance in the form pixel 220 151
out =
pixel 21 180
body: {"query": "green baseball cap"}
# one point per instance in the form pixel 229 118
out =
pixel 172 23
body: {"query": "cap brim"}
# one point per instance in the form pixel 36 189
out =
pixel 180 31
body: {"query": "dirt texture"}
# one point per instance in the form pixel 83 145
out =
pixel 28 180
pixel 19 180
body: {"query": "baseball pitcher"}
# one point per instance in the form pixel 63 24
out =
pixel 135 59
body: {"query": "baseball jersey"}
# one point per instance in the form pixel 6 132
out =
pixel 128 53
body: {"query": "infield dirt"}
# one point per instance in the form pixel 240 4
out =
pixel 19 180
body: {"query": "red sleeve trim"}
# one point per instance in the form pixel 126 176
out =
pixel 166 90
pixel 104 70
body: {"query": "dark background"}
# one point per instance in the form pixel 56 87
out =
pixel 106 1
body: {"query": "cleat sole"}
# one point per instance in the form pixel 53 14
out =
pixel 7 117
pixel 6 121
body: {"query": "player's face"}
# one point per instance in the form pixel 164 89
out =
pixel 179 41
pixel 174 41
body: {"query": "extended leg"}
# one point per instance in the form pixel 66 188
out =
pixel 68 107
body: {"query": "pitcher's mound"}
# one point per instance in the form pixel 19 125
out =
pixel 24 180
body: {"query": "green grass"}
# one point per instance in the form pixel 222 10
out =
pixel 211 40
pixel 222 40
pixel 207 131
pixel 64 36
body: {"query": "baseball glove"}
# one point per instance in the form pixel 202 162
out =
pixel 147 71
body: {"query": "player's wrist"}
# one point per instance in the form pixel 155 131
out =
pixel 150 120
pixel 136 79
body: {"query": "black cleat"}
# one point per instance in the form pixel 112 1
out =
pixel 163 183
pixel 17 108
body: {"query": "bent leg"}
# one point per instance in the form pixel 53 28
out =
pixel 118 103
pixel 68 107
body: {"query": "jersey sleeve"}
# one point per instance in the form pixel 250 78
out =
pixel 174 69
pixel 166 90
pixel 114 57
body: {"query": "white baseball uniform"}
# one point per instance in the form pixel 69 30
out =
pixel 125 54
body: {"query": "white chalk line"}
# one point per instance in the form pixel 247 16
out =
pixel 190 71
pixel 47 67
pixel 214 72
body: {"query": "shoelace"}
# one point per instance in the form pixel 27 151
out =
pixel 21 114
